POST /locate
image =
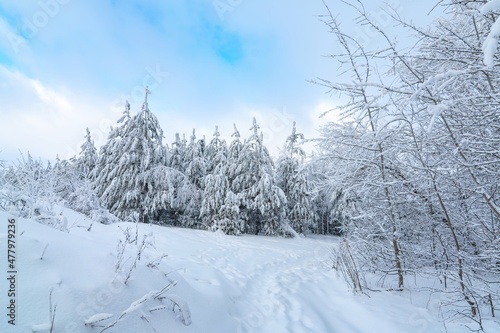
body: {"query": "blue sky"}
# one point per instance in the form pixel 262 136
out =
pixel 70 64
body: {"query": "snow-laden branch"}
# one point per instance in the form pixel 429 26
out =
pixel 159 295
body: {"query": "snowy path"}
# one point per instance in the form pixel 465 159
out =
pixel 277 285
pixel 269 279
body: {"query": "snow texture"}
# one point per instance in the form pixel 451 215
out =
pixel 224 284
pixel 40 328
pixel 183 307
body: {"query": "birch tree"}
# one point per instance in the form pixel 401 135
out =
pixel 429 126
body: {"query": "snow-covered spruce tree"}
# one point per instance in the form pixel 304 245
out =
pixel 131 166
pixel 185 199
pixel 263 202
pixel 229 217
pixel 87 159
pixel 269 206
pixel 84 199
pixel 234 168
pixel 293 178
pixel 177 154
pixel 195 161
pixel 179 194
pixel 216 187
pixel 220 209
pixel 74 179
pixel 196 168
pixel 108 158
pixel 74 186
pixel 216 154
pixel 235 196
pixel 215 182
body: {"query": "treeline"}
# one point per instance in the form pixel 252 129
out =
pixel 234 187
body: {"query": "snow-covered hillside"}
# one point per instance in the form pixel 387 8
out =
pixel 216 283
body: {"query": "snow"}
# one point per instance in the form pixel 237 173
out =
pixel 185 313
pixel 41 328
pixel 491 42
pixel 218 283
pixel 490 6
pixel 138 304
pixel 97 318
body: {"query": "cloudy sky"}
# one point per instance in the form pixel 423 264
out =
pixel 70 64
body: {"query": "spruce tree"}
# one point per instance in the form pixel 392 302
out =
pixel 293 179
pixel 177 154
pixel 87 159
pixel 216 187
pixel 73 179
pixel 195 161
pixel 217 152
pixel 234 166
pixel 220 206
pixel 191 187
pixel 264 203
pixel 130 169
pixel 229 218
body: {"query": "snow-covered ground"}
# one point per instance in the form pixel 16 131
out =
pixel 222 284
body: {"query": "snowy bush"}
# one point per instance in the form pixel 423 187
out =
pixel 345 264
pixel 29 191
pixel 125 263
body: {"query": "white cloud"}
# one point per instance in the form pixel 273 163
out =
pixel 324 112
pixel 89 53
pixel 40 119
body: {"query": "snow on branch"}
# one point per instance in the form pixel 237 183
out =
pixel 490 44
pixel 93 320
pixel 182 306
pixel 133 307
pixel 158 295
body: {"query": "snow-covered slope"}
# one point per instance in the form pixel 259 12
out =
pixel 222 284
